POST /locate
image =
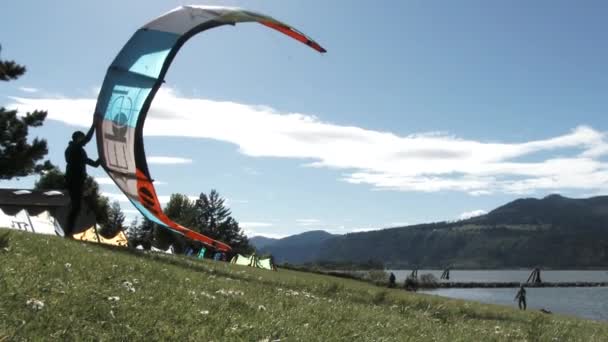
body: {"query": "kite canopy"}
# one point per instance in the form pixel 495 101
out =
pixel 130 84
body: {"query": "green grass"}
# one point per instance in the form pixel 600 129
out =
pixel 172 298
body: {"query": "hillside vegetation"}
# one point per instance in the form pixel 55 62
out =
pixel 552 232
pixel 53 289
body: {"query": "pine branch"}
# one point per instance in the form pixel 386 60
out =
pixel 9 70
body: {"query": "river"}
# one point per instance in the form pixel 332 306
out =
pixel 584 302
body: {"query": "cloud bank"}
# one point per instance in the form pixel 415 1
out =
pixel 383 160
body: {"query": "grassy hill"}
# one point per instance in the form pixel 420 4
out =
pixel 52 289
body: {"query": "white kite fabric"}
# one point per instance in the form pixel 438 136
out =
pixel 130 84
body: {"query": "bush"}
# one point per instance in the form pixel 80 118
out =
pixel 376 276
pixel 411 284
pixel 428 280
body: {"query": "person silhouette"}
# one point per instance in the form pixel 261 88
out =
pixel 391 280
pixel 521 297
pixel 76 173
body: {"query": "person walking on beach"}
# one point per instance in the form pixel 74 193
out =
pixel 521 295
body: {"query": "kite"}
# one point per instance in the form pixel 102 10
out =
pixel 129 87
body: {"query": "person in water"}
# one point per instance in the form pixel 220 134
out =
pixel 76 173
pixel 521 295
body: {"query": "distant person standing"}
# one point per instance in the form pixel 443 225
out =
pixel 391 280
pixel 76 173
pixel 521 296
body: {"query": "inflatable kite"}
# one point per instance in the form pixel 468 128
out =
pixel 129 86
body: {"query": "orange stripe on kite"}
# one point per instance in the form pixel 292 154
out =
pixel 294 34
pixel 149 199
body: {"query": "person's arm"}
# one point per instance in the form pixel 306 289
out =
pixel 95 163
pixel 89 135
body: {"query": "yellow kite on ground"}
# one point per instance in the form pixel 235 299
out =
pixel 91 235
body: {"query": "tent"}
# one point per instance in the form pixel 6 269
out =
pixel 158 250
pixel 91 235
pixel 40 211
pixel 254 261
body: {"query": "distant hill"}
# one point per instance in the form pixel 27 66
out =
pixel 554 231
pixel 261 241
pixel 297 249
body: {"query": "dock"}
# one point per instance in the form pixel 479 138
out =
pixel 467 285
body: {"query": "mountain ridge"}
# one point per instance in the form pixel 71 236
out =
pixel 553 231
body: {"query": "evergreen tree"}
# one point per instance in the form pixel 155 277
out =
pixel 213 218
pixel 181 210
pixel 9 70
pixel 18 158
pixel 115 223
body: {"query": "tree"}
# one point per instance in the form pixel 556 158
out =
pixel 9 70
pixel 18 158
pixel 214 219
pixel 55 179
pixel 208 215
pixel 140 234
pixel 116 220
pixel 181 210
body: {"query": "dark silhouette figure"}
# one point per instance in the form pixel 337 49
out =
pixel 521 296
pixel 76 174
pixel 391 280
pixel 414 273
pixel 446 274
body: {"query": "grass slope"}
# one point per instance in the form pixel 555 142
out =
pixel 91 292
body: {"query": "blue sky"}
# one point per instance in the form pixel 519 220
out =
pixel 420 111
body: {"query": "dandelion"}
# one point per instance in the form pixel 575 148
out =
pixel 261 308
pixel 230 292
pixel 128 285
pixel 205 294
pixel 113 298
pixel 35 304
pixel 67 265
pixel 204 312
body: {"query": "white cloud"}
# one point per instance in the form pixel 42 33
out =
pixel 28 89
pixel 308 222
pixel 104 180
pixel 109 181
pixel 249 225
pixel 472 213
pixel 130 211
pixel 250 171
pixel 425 162
pixel 168 160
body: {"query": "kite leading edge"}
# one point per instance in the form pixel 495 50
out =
pixel 129 86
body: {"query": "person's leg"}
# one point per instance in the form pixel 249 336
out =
pixel 75 199
pixel 524 302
